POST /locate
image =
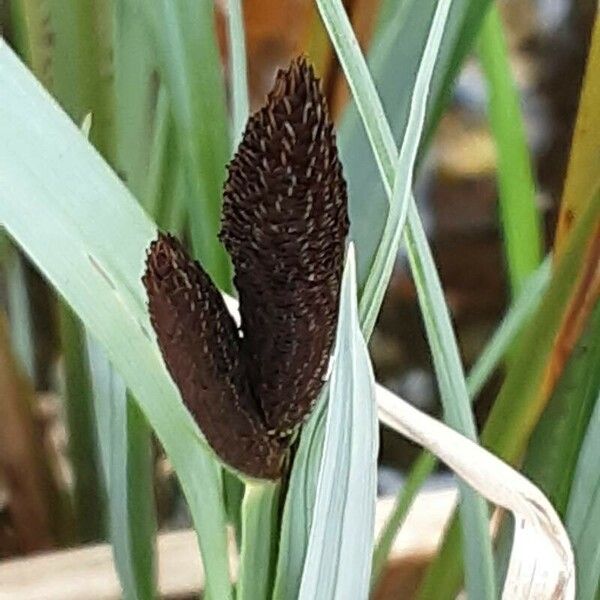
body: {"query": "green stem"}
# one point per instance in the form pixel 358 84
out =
pixel 259 535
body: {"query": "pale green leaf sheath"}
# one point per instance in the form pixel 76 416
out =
pixel 338 563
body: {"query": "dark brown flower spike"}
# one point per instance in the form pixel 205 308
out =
pixel 284 225
pixel 200 344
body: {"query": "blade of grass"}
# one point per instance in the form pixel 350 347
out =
pixel 259 536
pixel 489 360
pixel 32 35
pixel 512 324
pixel 555 444
pixel 519 215
pixel 126 458
pixel 134 94
pixel 583 171
pixel 451 380
pixel 82 29
pixel 523 396
pixel 51 175
pixel 237 69
pixel 165 194
pixel 138 480
pixel 399 42
pixel 191 70
pixel 299 504
pixel 385 256
pixel 337 563
pixel 238 78
pixel 583 512
pixel 132 517
pixel 158 158
pixel 479 565
pixel 83 86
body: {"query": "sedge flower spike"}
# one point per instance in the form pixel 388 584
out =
pixel 284 225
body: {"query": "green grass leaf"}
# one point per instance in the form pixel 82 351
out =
pixel 83 29
pixel 387 250
pixel 583 513
pixel 555 444
pixel 338 560
pixel 127 465
pixel 68 211
pixel 488 361
pixel 446 358
pixel 521 227
pixel 88 490
pixel 393 59
pixel 190 68
pixel 82 86
pixel 237 69
pixel 134 66
pixel 299 504
pixel 22 334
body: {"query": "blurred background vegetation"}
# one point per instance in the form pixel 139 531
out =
pixel 493 192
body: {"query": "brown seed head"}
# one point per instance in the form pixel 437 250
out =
pixel 284 224
pixel 200 345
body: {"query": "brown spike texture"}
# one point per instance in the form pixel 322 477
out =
pixel 200 344
pixel 284 224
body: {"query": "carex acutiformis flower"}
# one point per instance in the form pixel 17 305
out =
pixel 284 225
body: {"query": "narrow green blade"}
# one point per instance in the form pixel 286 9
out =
pixel 237 69
pixel 583 513
pixel 88 492
pixel 19 312
pixel 134 66
pixel 73 217
pixel 126 459
pixel 190 68
pixel 299 504
pixel 520 218
pixel 393 59
pixel 553 450
pixel 338 556
pixel 480 577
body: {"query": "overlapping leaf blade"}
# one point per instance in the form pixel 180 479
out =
pixel 51 175
pixel 338 561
